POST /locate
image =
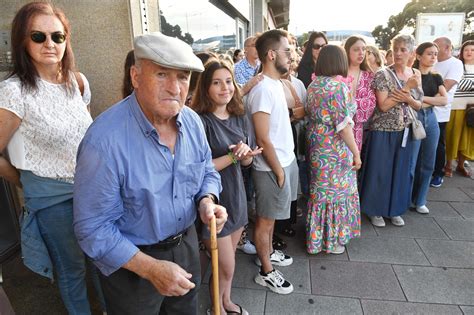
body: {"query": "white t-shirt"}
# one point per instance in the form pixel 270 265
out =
pixel 452 69
pixel 268 96
pixel 52 126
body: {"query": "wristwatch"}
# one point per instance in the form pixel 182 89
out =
pixel 210 196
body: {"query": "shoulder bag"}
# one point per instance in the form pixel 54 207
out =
pixel 470 115
pixel 417 128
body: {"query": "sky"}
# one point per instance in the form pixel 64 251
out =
pixel 364 15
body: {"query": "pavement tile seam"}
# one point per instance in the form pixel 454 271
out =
pixel 456 210
pixel 356 298
pixel 446 233
pixel 382 263
pixel 421 249
pixel 399 282
pixel 417 240
pixel 447 227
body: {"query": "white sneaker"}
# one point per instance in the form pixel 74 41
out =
pixel 274 281
pixel 277 258
pixel 397 221
pixel 377 221
pixel 338 249
pixel 248 248
pixel 422 209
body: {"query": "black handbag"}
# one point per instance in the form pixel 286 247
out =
pixel 470 115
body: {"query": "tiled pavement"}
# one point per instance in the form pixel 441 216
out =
pixel 425 267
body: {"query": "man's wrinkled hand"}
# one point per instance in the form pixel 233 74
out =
pixel 169 278
pixel 208 209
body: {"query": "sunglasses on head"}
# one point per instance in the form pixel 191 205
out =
pixel 40 37
pixel 318 47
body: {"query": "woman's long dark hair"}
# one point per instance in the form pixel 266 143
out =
pixel 307 59
pixel 420 50
pixel 201 102
pixel 23 66
pixel 347 47
pixel 127 86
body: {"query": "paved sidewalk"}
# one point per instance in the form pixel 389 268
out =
pixel 425 267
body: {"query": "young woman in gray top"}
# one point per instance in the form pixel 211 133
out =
pixel 218 101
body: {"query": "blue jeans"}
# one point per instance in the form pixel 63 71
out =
pixel 55 224
pixel 426 157
pixel 304 174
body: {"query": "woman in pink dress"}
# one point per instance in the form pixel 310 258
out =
pixel 360 86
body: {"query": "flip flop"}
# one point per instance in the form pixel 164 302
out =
pixel 464 172
pixel 288 232
pixel 242 311
pixel 278 243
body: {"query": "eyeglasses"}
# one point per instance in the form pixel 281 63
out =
pixel 318 47
pixel 286 51
pixel 40 37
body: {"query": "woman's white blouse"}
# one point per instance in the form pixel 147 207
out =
pixel 52 126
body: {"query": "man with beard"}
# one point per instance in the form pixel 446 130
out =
pixel 275 171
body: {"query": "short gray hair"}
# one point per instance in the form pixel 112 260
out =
pixel 408 40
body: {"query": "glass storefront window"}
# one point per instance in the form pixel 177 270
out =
pixel 207 26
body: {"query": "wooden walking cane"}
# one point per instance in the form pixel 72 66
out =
pixel 215 268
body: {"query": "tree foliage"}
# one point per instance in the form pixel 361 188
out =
pixel 407 18
pixel 174 30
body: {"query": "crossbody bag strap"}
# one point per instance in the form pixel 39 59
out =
pixel 80 82
pixel 298 102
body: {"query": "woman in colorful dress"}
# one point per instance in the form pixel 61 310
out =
pixel 387 175
pixel 217 100
pixel 361 85
pixel 333 206
pixel 434 95
pixel 460 137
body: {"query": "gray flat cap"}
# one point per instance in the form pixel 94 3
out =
pixel 167 51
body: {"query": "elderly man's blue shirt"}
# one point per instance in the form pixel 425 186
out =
pixel 131 190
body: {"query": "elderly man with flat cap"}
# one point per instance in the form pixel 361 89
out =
pixel 144 171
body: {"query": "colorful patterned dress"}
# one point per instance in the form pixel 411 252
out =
pixel 365 99
pixel 333 207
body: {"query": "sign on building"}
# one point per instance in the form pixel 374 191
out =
pixel 430 26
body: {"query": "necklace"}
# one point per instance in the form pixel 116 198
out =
pixel 355 84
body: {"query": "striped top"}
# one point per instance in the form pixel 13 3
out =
pixel 465 92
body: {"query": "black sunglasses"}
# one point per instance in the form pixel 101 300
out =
pixel 40 37
pixel 318 47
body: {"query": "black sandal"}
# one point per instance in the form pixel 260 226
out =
pixel 288 232
pixel 241 311
pixel 278 243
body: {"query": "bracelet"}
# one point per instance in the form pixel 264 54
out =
pixel 232 157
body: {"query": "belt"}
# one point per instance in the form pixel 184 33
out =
pixel 166 244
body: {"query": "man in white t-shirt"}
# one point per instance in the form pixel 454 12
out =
pixel 275 172
pixel 451 69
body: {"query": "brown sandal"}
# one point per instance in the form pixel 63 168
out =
pixel 464 172
pixel 448 171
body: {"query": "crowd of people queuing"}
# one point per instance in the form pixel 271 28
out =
pixel 237 137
